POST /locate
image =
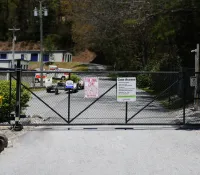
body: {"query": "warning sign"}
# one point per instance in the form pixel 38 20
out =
pixel 91 87
pixel 126 89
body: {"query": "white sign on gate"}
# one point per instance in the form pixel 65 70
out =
pixel 91 87
pixel 126 89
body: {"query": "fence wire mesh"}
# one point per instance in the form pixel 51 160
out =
pixel 159 100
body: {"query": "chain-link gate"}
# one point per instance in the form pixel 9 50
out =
pixel 160 100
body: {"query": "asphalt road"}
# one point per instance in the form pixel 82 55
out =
pixel 96 67
pixel 77 152
pixel 105 111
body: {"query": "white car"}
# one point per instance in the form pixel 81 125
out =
pixel 68 85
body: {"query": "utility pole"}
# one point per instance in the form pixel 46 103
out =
pixel 13 45
pixel 196 93
pixel 41 45
pixel 41 10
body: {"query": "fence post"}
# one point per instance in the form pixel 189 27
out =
pixel 17 126
pixel 69 102
pixel 196 94
pixel 10 92
pixel 126 115
pixel 184 94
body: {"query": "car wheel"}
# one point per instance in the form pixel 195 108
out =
pixel 48 90
pixel 62 78
pixel 5 139
pixel 75 90
pixel 56 91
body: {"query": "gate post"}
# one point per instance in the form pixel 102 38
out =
pixel 17 126
pixel 126 115
pixel 184 93
pixel 10 92
pixel 196 95
pixel 69 102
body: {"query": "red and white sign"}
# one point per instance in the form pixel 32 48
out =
pixel 91 87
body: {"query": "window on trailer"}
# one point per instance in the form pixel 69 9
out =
pixel 34 57
pixel 46 57
pixel 3 56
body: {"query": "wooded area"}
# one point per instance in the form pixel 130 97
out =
pixel 130 34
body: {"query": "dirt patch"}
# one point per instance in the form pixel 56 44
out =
pixel 84 57
pixel 19 46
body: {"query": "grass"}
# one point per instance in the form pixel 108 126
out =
pixel 80 67
pixel 148 90
pixel 35 89
pixel 54 81
pixel 169 102
pixel 172 103
pixel 75 66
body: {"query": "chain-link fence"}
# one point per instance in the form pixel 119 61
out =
pixel 161 98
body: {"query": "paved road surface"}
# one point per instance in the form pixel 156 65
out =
pixel 78 152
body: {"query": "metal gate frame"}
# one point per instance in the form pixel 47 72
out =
pixel 68 121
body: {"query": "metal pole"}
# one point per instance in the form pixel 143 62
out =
pixel 13 45
pixel 126 116
pixel 18 93
pixel 69 103
pixel 184 95
pixel 41 44
pixel 13 50
pixel 10 92
pixel 196 100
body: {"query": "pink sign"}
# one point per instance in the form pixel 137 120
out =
pixel 91 87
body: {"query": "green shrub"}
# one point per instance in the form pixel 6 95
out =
pixel 75 78
pixel 143 81
pixel 5 93
pixel 113 76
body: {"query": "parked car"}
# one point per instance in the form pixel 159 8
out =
pixel 70 85
pixel 66 86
